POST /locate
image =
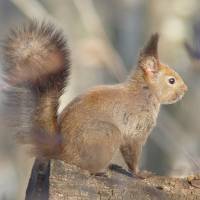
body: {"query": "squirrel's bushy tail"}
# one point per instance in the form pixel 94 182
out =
pixel 36 67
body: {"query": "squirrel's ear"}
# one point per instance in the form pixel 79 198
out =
pixel 148 59
pixel 149 65
pixel 151 48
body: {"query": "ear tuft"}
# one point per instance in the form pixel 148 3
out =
pixel 151 48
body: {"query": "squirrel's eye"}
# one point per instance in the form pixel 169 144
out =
pixel 171 81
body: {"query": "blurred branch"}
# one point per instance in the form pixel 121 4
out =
pixel 32 9
pixel 93 24
pixel 90 18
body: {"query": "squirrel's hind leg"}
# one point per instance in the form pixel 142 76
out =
pixel 96 147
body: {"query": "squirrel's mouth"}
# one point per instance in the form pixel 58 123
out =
pixel 177 97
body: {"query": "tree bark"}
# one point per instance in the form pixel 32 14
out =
pixel 38 186
pixel 71 183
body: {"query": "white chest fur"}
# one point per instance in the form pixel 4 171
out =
pixel 137 123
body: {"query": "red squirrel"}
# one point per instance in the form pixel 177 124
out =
pixel 97 123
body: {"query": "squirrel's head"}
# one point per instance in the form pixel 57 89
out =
pixel 167 84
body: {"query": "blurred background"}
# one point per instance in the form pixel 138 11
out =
pixel 105 38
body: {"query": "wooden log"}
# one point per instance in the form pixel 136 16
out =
pixel 71 183
pixel 38 186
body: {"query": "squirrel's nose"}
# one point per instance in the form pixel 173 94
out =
pixel 184 88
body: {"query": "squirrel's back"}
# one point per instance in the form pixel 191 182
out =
pixel 36 67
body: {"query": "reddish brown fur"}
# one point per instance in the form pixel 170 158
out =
pixel 104 119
